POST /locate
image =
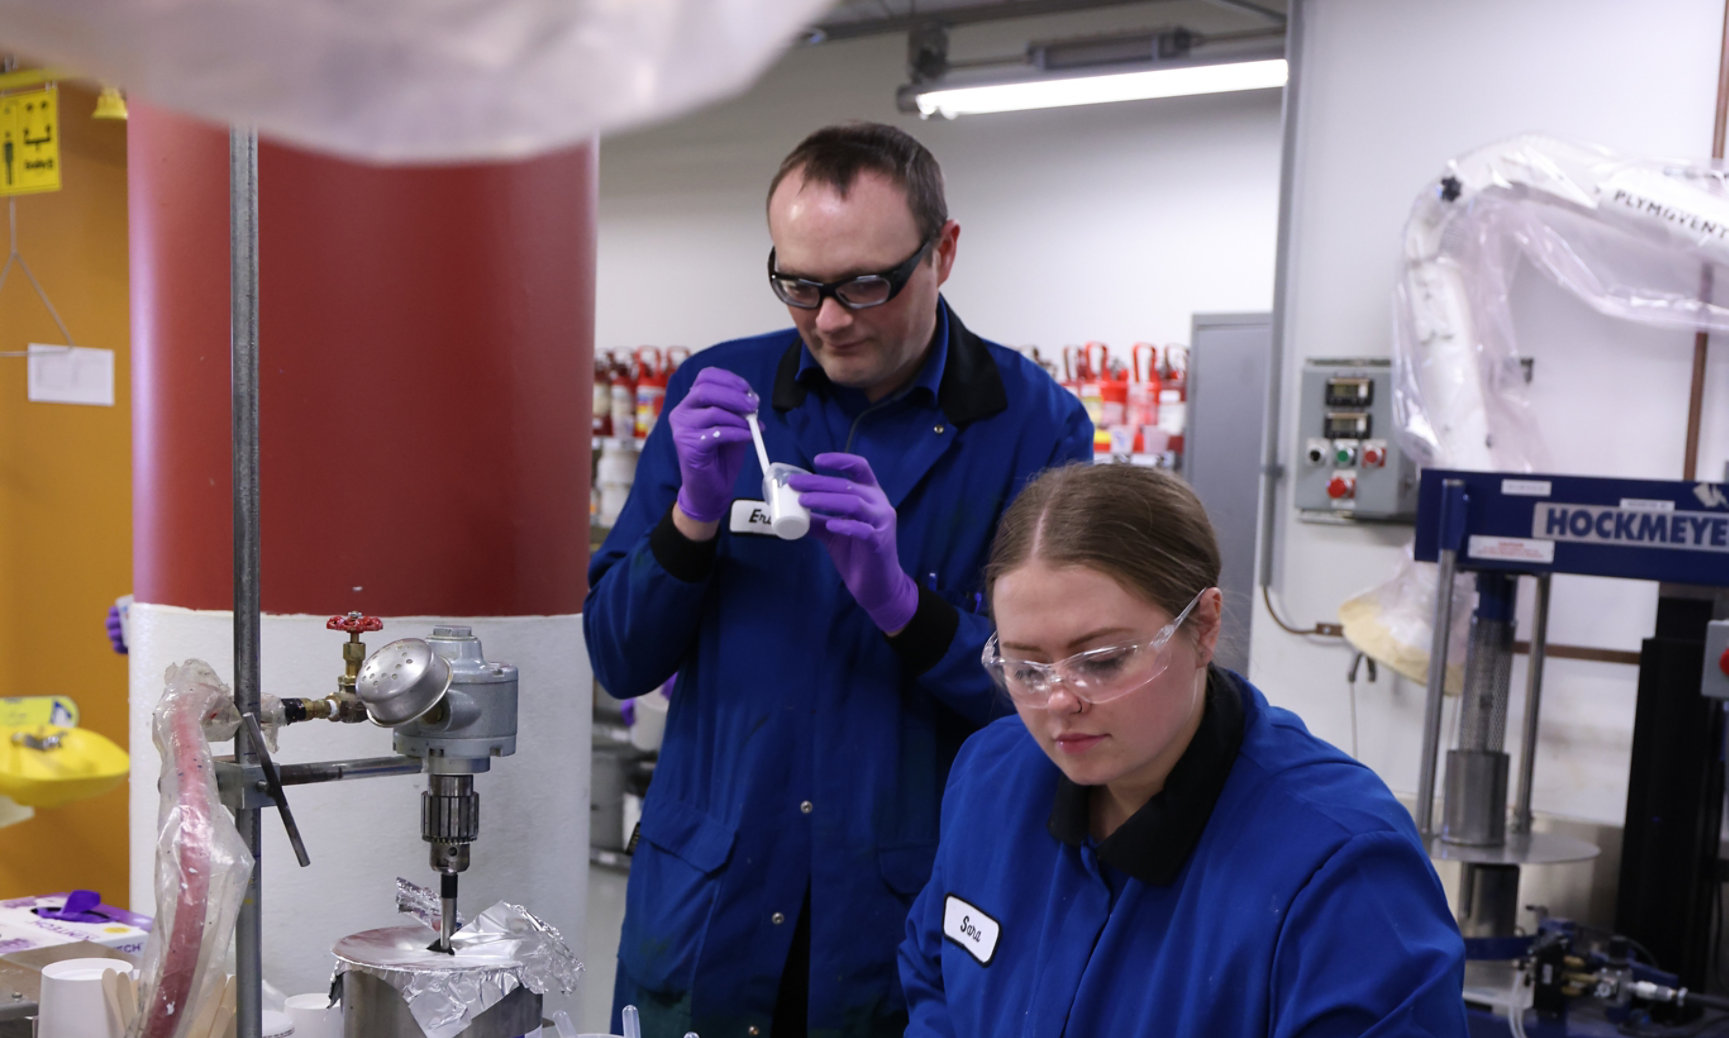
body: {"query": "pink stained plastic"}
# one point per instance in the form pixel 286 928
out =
pixel 202 865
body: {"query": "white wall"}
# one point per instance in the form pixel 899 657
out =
pixel 1114 222
pixel 1390 89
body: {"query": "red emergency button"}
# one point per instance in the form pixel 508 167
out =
pixel 1341 487
pixel 1374 457
pixel 1723 663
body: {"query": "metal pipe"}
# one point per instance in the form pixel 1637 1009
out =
pixel 337 770
pixel 1443 626
pixel 1533 704
pixel 830 32
pixel 1696 390
pixel 243 287
pixel 1702 339
pixel 1271 470
pixel 1436 693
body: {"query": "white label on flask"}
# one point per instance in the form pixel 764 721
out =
pixel 970 928
pixel 1526 487
pixel 1639 504
pixel 751 517
pixel 1519 549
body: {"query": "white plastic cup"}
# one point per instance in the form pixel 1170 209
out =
pixel 72 1005
pixel 314 1016
pixel 790 519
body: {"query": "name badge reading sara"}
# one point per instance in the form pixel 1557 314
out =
pixel 970 928
pixel 751 517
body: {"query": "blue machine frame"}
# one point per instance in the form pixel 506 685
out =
pixel 1641 529
pixel 1530 524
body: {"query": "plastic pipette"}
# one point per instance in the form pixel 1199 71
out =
pixel 632 1028
pixel 756 438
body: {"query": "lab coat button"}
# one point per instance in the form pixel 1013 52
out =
pixel 941 429
pixel 777 918
pixel 753 1031
pixel 805 807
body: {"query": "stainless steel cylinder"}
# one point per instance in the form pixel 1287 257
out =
pixel 1475 802
pixel 372 1008
pixel 482 987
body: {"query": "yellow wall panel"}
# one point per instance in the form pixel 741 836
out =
pixel 66 497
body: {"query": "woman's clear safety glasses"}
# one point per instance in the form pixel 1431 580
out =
pixel 1095 676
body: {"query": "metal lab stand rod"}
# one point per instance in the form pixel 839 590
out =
pixel 1452 532
pixel 243 285
pixel 1533 702
pixel 338 770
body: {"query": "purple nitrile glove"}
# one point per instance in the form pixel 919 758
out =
pixel 853 519
pixel 116 631
pixel 709 433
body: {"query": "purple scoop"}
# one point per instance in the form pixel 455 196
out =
pixel 77 909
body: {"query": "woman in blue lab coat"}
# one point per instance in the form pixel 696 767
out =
pixel 1150 848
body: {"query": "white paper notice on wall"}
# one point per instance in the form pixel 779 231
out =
pixel 71 375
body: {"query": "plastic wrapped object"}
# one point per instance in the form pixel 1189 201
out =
pixel 1393 622
pixel 1641 240
pixel 501 949
pixel 1637 239
pixel 202 865
pixel 417 80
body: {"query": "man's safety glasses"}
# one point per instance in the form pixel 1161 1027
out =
pixel 855 293
pixel 1095 676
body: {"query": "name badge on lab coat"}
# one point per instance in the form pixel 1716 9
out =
pixel 751 517
pixel 970 928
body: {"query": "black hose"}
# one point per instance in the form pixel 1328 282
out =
pixel 1699 998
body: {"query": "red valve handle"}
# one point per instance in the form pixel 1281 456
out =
pixel 354 623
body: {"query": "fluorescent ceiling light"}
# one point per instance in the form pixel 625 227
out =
pixel 948 102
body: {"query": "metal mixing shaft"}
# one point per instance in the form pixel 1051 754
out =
pixel 449 822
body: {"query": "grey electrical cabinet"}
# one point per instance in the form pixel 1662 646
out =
pixel 1348 465
pixel 1230 361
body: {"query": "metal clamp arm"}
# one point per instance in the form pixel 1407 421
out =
pixel 273 779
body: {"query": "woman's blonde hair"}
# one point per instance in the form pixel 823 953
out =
pixel 1142 527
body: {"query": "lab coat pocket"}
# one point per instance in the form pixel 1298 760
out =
pixel 672 894
pixel 905 867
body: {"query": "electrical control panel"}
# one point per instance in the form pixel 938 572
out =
pixel 1348 465
pixel 1716 681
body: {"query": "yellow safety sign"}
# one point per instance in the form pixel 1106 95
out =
pixel 30 142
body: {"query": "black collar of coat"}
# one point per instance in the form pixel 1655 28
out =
pixel 971 386
pixel 1156 840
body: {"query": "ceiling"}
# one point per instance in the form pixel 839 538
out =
pixel 849 19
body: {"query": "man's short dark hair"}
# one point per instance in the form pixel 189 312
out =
pixel 835 156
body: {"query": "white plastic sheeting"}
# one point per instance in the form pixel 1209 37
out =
pixel 1636 239
pixel 416 80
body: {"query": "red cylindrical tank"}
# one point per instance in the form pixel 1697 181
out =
pixel 426 347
